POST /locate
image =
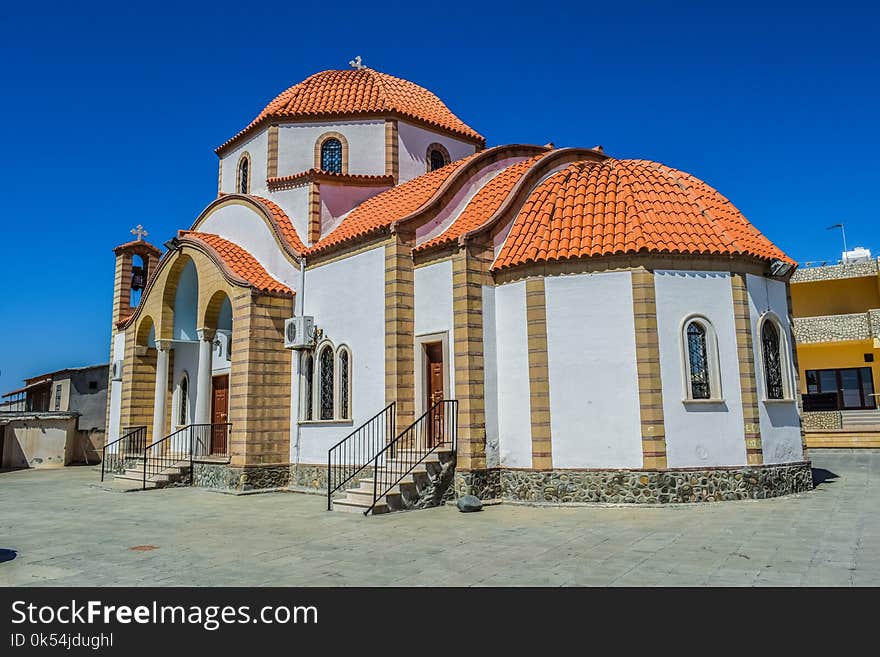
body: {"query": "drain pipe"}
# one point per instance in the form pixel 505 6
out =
pixel 299 367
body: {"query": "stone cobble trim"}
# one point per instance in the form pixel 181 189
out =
pixel 836 328
pixel 821 420
pixel 638 486
pixel 220 476
pixel 833 272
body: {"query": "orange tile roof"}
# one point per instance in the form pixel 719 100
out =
pixel 319 175
pixel 285 225
pixel 354 92
pixel 628 206
pixel 484 204
pixel 238 262
pixel 382 210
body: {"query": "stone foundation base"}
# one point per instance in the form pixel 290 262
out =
pixel 237 479
pixel 637 486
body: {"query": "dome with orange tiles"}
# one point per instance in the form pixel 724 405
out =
pixel 615 207
pixel 360 92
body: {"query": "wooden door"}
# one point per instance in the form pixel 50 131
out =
pixel 219 414
pixel 434 391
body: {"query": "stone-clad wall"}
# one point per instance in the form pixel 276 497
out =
pixel 821 420
pixel 833 328
pixel 637 486
pixel 832 272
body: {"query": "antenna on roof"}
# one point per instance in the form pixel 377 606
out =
pixel 357 63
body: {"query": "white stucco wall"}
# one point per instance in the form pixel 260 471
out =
pixel 295 203
pixel 366 146
pixel 413 143
pixel 338 200
pixel 347 299
pixel 257 148
pixel 699 434
pixel 514 405
pixel 116 389
pixel 780 424
pixel 490 376
pixel 594 394
pixel 186 359
pixel 243 226
pixel 432 286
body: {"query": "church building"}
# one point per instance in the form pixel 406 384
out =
pixel 380 308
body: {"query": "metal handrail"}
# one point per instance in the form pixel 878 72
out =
pixel 373 437
pixel 128 434
pixel 156 464
pixel 449 428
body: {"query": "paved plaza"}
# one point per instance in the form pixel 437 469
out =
pixel 66 531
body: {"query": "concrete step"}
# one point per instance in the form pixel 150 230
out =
pixel 365 495
pixel 358 507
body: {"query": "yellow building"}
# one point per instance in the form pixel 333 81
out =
pixel 836 310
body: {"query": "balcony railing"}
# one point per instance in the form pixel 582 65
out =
pixel 837 328
pixel 828 271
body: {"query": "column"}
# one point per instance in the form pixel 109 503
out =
pixel 203 382
pixel 162 349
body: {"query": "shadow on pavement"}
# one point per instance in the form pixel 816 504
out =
pixel 7 555
pixel 821 476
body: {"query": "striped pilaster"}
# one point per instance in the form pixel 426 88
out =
pixel 220 178
pixel 314 213
pixel 259 382
pixel 272 152
pixel 648 366
pixel 392 161
pixel 399 328
pixel 539 374
pixel 138 384
pixel 470 272
pixel 748 382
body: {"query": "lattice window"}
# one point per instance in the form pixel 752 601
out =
pixel 244 173
pixel 182 401
pixel 325 371
pixel 308 369
pixel 437 160
pixel 772 360
pixel 698 361
pixel 344 387
pixel 331 155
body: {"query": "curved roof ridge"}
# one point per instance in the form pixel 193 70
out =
pixel 484 203
pixel 238 264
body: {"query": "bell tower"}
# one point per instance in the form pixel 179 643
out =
pixel 135 262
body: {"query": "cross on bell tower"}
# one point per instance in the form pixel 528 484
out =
pixel 140 232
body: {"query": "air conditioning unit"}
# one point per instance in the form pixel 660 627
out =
pixel 222 352
pixel 116 370
pixel 299 332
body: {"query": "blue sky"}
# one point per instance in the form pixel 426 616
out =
pixel 110 114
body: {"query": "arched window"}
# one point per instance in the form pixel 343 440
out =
pixel 343 372
pixel 774 370
pixel 244 174
pixel 437 157
pixel 331 155
pixel 325 383
pixel 698 361
pixel 702 375
pixel 308 369
pixel 183 401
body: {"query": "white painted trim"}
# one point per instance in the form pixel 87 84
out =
pixel 421 362
pixel 716 393
pixel 785 361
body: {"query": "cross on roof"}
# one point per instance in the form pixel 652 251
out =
pixel 140 232
pixel 357 63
